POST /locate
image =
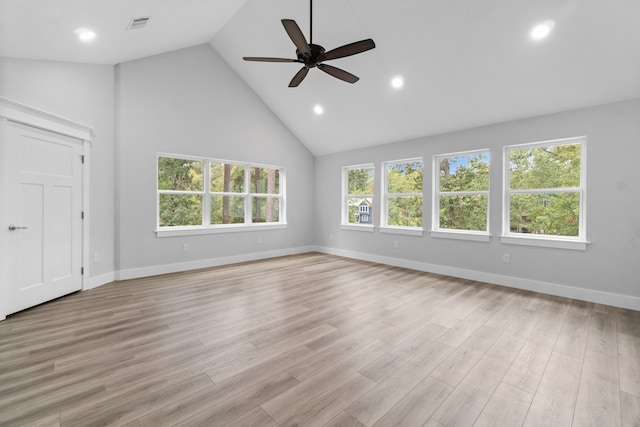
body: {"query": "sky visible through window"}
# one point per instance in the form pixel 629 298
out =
pixel 456 162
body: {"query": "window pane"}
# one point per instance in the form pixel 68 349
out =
pixel 227 210
pixel 179 174
pixel 265 181
pixel 227 178
pixel 360 210
pixel 545 167
pixel 464 212
pixel 404 211
pixel 465 173
pixel 180 210
pixel 265 209
pixel 550 214
pixel 360 181
pixel 404 177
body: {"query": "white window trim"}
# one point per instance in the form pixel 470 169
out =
pixel 561 242
pixel 384 219
pixel 206 194
pixel 447 233
pixel 476 236
pixel 358 227
pixel 546 242
pixel 344 221
pixel 407 231
pixel 216 229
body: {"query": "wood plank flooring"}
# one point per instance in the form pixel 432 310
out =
pixel 318 340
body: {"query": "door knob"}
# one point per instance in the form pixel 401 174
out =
pixel 14 228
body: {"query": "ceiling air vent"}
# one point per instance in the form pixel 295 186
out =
pixel 136 23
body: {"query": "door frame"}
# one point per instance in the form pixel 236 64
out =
pixel 12 111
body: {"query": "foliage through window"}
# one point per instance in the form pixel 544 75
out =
pixel 181 191
pixel 402 193
pixel 358 195
pixel 227 188
pixel 196 192
pixel 461 196
pixel 545 189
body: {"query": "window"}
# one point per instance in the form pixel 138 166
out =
pixel 402 194
pixel 358 195
pixel 180 192
pixel 461 194
pixel 265 199
pixel 207 195
pixel 544 193
pixel 227 188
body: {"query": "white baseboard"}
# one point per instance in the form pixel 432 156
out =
pixel 617 300
pixel 600 297
pixel 100 280
pixel 156 270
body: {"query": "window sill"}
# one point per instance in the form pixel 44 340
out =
pixel 547 242
pixel 409 231
pixel 233 228
pixel 476 236
pixel 354 227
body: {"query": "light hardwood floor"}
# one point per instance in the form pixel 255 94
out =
pixel 318 340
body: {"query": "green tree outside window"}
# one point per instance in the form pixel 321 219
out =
pixel 545 189
pixel 463 191
pixel 404 193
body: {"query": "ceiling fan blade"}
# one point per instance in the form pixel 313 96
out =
pixel 295 33
pixel 299 77
pixel 349 49
pixel 338 73
pixel 261 59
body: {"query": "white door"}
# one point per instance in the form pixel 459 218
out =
pixel 44 208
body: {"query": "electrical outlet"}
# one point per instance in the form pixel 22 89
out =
pixel 185 247
pixel 96 258
pixel 506 258
pixel 395 245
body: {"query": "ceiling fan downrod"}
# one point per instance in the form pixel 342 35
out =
pixel 310 21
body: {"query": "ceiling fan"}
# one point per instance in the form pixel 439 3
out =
pixel 313 55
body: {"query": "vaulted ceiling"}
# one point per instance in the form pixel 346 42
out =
pixel 464 63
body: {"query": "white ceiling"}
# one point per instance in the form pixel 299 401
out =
pixel 44 29
pixel 465 63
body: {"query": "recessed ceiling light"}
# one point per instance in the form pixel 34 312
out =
pixel 85 34
pixel 397 82
pixel 318 109
pixel 542 30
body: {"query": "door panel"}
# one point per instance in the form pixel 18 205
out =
pixel 62 232
pixel 45 190
pixel 45 156
pixel 30 261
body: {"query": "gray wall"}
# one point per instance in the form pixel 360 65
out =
pixel 85 94
pixel 190 102
pixel 611 262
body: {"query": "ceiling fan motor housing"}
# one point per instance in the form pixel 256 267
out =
pixel 312 60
